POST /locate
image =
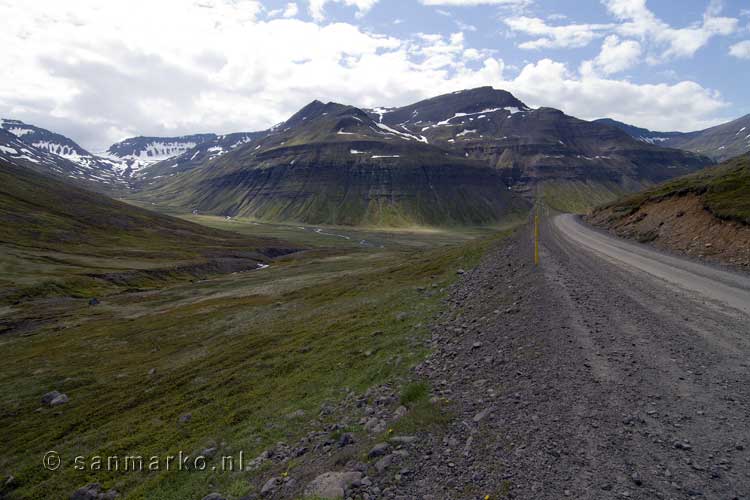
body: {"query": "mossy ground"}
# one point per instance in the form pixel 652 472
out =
pixel 238 352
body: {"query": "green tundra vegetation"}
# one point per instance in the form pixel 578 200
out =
pixel 238 351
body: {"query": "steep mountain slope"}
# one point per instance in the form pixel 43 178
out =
pixel 720 143
pixel 49 151
pixel 60 238
pixel 706 214
pixel 642 134
pixel 333 164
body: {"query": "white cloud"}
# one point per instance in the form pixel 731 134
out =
pixel 465 3
pixel 680 106
pixel 555 37
pixel 291 10
pixel 741 50
pixel 317 7
pixel 104 72
pixel 614 57
pixel 639 22
pixel 100 73
pixel 634 20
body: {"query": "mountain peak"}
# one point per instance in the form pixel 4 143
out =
pixel 447 106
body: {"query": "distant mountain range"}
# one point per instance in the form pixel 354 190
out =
pixel 642 134
pixel 719 143
pixel 451 159
pixel 459 158
pixel 334 164
pixel 48 152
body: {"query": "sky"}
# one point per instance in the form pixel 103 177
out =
pixel 101 71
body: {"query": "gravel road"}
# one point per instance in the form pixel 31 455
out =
pixel 609 371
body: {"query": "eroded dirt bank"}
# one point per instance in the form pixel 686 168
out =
pixel 681 224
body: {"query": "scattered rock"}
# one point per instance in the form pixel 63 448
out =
pixel 403 439
pixel 379 450
pixel 271 486
pixel 54 398
pixel 400 412
pixel 346 439
pixel 385 462
pixel 327 409
pixel 375 426
pixel 482 415
pixel 296 414
pixel 637 479
pixel 93 491
pixel 332 485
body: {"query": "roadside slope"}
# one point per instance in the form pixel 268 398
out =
pixel 705 215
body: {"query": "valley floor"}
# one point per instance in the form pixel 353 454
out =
pixel 585 378
pixel 426 366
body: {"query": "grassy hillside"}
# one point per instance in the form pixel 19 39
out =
pixel 724 191
pixel 58 239
pixel 576 196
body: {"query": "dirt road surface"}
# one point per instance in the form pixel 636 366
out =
pixel 609 371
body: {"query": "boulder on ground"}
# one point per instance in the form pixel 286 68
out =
pixel 332 485
pixel 93 491
pixel 54 398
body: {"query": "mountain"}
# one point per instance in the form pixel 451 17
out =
pixel 535 144
pixel 47 151
pixel 196 156
pixel 642 134
pixel 121 164
pixel 66 240
pixel 706 214
pixel 136 153
pixel 720 143
pixel 573 162
pixel 334 164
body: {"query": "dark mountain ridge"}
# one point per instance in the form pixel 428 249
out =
pixel 333 164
